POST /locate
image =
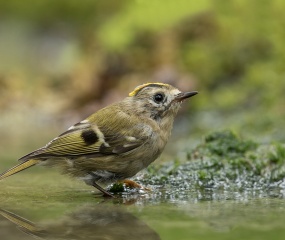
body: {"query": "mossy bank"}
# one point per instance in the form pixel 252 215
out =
pixel 222 162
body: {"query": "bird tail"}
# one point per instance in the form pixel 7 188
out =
pixel 18 168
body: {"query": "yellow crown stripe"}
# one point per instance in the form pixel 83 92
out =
pixel 140 87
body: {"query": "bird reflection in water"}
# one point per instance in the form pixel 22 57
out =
pixel 99 222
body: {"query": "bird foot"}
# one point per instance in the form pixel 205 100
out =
pixel 105 193
pixel 132 184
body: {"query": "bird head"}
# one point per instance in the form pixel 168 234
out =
pixel 158 100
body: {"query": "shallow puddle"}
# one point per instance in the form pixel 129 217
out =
pixel 147 216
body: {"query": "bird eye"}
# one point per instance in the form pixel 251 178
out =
pixel 158 98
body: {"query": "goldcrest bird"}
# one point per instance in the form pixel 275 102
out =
pixel 116 142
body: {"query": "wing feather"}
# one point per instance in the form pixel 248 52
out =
pixel 101 137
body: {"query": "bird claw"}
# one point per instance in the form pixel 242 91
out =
pixel 132 184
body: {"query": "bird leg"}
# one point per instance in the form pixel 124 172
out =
pixel 106 193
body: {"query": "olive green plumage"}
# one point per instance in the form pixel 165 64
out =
pixel 115 142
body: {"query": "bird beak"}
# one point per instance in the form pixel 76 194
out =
pixel 182 96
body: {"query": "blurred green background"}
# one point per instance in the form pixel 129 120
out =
pixel 62 60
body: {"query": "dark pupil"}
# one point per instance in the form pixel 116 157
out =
pixel 158 98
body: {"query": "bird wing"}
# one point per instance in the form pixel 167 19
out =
pixel 86 138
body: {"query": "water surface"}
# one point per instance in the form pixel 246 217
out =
pixel 146 216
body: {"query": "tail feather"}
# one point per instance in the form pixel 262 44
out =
pixel 18 168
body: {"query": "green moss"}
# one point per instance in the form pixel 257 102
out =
pixel 225 161
pixel 117 188
pixel 227 144
pixel 277 154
